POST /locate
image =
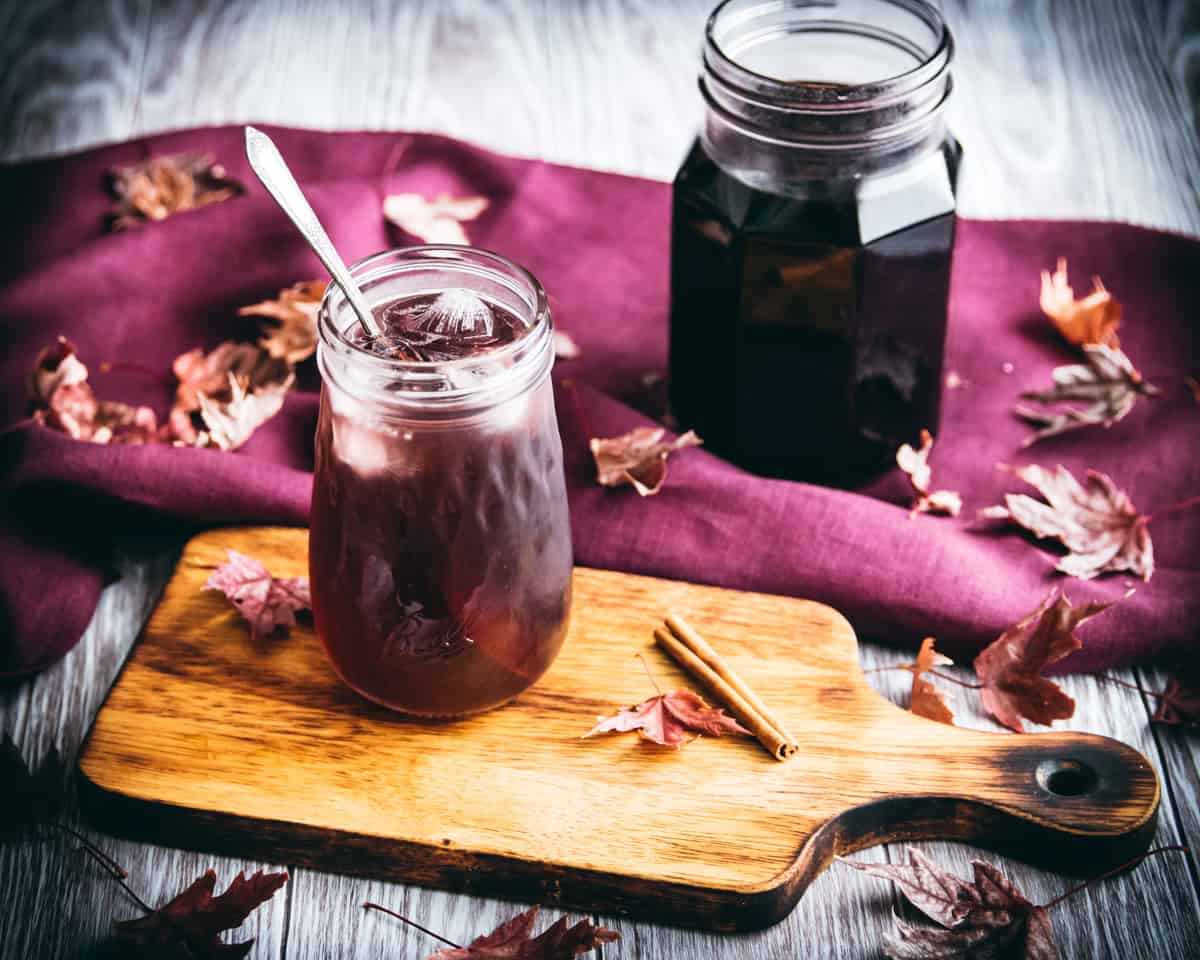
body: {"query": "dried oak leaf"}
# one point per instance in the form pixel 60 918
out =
pixel 565 347
pixel 1096 522
pixel 1108 383
pixel 435 221
pixel 671 719
pixel 191 924
pixel 1010 667
pixel 1094 319
pixel 265 601
pixel 232 416
pixel 513 940
pixel 160 186
pixel 638 458
pixel 985 918
pixel 28 796
pixel 915 463
pixel 926 700
pixel 292 336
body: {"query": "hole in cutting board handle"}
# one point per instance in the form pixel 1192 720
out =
pixel 1066 778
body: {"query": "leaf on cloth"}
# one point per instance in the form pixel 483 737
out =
pixel 1094 319
pixel 513 940
pixel 638 458
pixel 1097 522
pixel 1194 386
pixel 986 917
pixel 160 186
pixel 28 796
pixel 292 334
pixel 265 601
pixel 232 416
pixel 671 719
pixel 191 924
pixel 915 463
pixel 565 347
pixel 1010 667
pixel 1108 383
pixel 926 700
pixel 434 221
pixel 208 373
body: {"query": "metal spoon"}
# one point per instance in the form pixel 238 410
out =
pixel 267 163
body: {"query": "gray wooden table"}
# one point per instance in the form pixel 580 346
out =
pixel 1068 108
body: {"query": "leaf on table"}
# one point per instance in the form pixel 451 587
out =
pixel 265 601
pixel 292 333
pixel 565 347
pixel 638 458
pixel 670 719
pixel 915 463
pixel 439 220
pixel 191 924
pixel 1092 320
pixel 28 796
pixel 1108 383
pixel 926 700
pixel 232 416
pixel 1010 667
pixel 514 940
pixel 986 917
pixel 1179 701
pixel 1097 522
pixel 160 186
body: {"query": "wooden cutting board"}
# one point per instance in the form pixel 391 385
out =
pixel 213 741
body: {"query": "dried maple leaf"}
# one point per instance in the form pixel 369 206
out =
pixel 233 417
pixel 29 796
pixel 208 373
pixel 1009 668
pixel 1097 522
pixel 292 337
pixel 160 186
pixel 191 924
pixel 926 700
pixel 1094 319
pixel 565 347
pixel 638 457
pixel 671 719
pixel 56 366
pixel 513 940
pixel 435 221
pixel 265 601
pixel 1108 382
pixel 915 463
pixel 1179 702
pixel 986 917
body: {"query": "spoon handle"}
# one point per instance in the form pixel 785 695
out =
pixel 268 164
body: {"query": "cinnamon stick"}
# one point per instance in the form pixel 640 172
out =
pixel 766 733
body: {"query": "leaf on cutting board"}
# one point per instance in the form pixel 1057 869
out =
pixel 915 463
pixel 514 940
pixel 1092 320
pixel 265 601
pixel 926 700
pixel 1108 383
pixel 439 220
pixel 638 458
pixel 160 186
pixel 1096 521
pixel 670 719
pixel 1010 667
pixel 291 334
pixel 985 917
pixel 191 924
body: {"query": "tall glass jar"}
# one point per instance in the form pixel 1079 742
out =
pixel 812 236
pixel 440 552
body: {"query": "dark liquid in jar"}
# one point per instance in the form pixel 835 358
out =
pixel 440 555
pixel 797 349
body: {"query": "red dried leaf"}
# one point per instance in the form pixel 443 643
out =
pixel 265 601
pixel 986 917
pixel 1094 319
pixel 638 458
pixel 1108 383
pixel 1179 702
pixel 29 796
pixel 292 335
pixel 565 347
pixel 1010 667
pixel 915 463
pixel 191 924
pixel 160 186
pixel 1097 523
pixel 926 700
pixel 671 719
pixel 435 221
pixel 1194 386
pixel 511 941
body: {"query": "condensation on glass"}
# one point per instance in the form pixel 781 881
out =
pixel 813 226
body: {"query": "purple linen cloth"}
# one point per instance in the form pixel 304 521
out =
pixel 599 243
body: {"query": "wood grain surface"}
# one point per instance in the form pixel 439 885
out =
pixel 1079 108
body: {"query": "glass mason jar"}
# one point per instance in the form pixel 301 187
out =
pixel 440 552
pixel 813 225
